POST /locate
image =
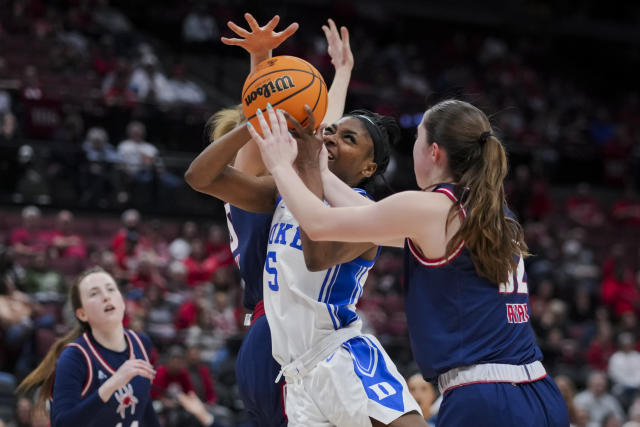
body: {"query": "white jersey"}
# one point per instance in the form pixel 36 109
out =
pixel 303 307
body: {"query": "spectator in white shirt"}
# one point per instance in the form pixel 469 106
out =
pixel 137 156
pixel 624 369
pixel 596 401
pixel 149 83
pixel 198 26
pixel 185 90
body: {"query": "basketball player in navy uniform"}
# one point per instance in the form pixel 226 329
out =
pixel 466 289
pixel 102 373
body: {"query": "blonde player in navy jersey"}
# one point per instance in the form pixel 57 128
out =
pixel 100 373
pixel 467 300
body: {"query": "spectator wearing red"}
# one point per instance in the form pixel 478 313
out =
pixel 200 376
pixel 187 313
pixel 626 210
pixel 200 266
pixel 130 222
pixel 29 239
pixel 618 290
pixel 217 245
pixel 583 208
pixel 67 243
pixel 171 377
pixel 601 348
pixel 147 274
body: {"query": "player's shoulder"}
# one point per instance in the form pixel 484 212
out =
pixel 144 338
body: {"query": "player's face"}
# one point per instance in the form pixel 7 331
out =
pixel 102 302
pixel 350 150
pixel 422 159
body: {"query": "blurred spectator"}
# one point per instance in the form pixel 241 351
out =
pixel 601 348
pixel 110 19
pixel 31 86
pixel 66 243
pixel 180 247
pixel 130 219
pixel 29 239
pixel 205 335
pixel 199 26
pixel 101 181
pixel 171 378
pixel 185 90
pixel 116 90
pixel 425 394
pixel 43 282
pixel 31 185
pixel 624 369
pixel 158 245
pixel 618 290
pixel 9 132
pixel 626 210
pixel 137 155
pixel 224 317
pixel 159 323
pixel 568 391
pixel 200 266
pixel 146 274
pixel 597 401
pixel 149 83
pixel 187 313
pixel 583 208
pixel 200 376
pixel 217 245
pixel 24 408
pixel 104 57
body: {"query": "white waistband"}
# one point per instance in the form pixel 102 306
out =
pixel 323 349
pixel 491 373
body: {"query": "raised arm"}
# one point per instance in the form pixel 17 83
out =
pixel 339 50
pixel 259 42
pixel 211 174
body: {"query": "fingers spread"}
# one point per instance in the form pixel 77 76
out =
pixel 272 24
pixel 238 30
pixel 253 24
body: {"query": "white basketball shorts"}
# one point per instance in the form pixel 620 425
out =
pixel 356 382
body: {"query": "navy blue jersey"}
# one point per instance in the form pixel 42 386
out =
pixel 249 233
pixel 457 318
pixel 83 366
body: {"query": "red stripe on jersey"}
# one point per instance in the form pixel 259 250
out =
pixel 89 367
pixel 437 262
pixel 137 338
pixel 258 311
pixel 103 362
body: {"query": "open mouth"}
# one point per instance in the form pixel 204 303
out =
pixel 330 155
pixel 109 308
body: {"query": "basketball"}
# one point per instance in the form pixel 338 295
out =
pixel 288 83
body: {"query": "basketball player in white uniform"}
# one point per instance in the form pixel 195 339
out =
pixel 334 374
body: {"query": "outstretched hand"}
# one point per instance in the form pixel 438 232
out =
pixel 277 146
pixel 338 48
pixel 260 39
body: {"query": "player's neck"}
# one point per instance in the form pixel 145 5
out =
pixel 112 339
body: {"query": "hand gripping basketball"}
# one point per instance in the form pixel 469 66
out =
pixel 277 147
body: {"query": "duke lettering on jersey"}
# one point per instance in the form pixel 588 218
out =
pixel 280 234
pixel 304 304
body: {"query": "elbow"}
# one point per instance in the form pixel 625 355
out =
pixel 315 263
pixel 192 179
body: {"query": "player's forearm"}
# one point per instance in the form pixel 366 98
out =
pixel 339 194
pixel 212 161
pixel 306 207
pixel 337 95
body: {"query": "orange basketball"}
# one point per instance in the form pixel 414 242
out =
pixel 288 83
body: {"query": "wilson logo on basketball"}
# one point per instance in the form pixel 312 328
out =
pixel 280 84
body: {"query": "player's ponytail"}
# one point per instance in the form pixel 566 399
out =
pixel 42 377
pixel 478 163
pixel 222 122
